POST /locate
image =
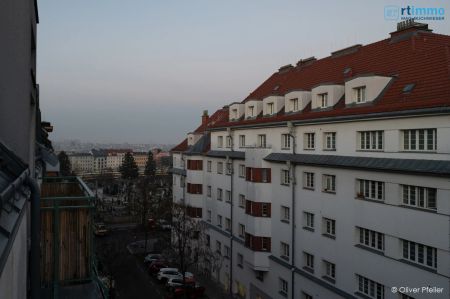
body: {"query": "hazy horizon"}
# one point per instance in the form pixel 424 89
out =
pixel 143 71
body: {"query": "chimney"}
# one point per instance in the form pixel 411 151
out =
pixel 407 29
pixel 205 117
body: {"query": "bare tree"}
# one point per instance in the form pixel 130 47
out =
pixel 190 243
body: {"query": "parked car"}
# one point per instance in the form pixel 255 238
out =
pixel 155 266
pixel 190 291
pixel 153 257
pixel 178 282
pixel 165 274
pixel 100 229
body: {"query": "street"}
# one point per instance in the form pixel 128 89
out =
pixel 131 279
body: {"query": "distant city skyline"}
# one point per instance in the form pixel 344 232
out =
pixel 142 72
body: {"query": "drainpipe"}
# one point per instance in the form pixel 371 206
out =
pixel 35 199
pixel 231 215
pixel 293 183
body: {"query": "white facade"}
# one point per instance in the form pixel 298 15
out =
pixel 81 163
pixel 334 200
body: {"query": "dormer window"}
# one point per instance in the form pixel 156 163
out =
pixel 219 141
pixel 235 113
pixel 270 108
pixel 323 100
pixel 360 94
pixel 294 104
pixel 251 111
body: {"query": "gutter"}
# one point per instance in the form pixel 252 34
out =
pixel 35 223
pixel 293 183
pixel 436 111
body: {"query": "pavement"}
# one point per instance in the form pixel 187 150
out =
pixel 131 277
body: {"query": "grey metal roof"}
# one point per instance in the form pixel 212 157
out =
pixel 98 153
pixel 178 171
pixel 13 197
pixel 224 154
pixel 200 146
pixel 414 166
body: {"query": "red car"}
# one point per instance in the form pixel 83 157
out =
pixel 155 266
pixel 187 291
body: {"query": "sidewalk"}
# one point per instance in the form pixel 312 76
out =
pixel 213 290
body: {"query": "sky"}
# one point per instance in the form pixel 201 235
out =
pixel 142 71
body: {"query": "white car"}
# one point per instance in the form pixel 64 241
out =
pixel 178 282
pixel 153 257
pixel 165 274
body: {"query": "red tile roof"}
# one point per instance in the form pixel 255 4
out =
pixel 180 147
pixel 422 58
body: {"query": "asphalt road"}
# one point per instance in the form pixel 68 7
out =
pixel 131 279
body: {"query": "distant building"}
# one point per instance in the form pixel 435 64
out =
pixel 141 159
pixel 114 158
pixel 81 162
pixel 331 179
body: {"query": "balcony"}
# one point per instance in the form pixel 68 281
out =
pixel 67 243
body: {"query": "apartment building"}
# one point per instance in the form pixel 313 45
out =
pixel 331 179
pixel 81 162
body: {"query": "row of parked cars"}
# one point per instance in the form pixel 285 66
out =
pixel 176 284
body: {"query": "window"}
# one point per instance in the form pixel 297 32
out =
pixel 208 166
pixel 242 171
pixel 373 190
pixel 227 196
pixel 241 140
pixel 227 251
pixel 370 288
pixel 260 276
pixel 420 254
pixel 262 140
pixel 208 240
pixel 330 141
pixel 284 250
pixel 219 141
pixel 265 207
pixel 371 140
pixel 219 167
pixel 309 141
pixel 329 227
pixel 285 177
pixel 308 220
pixel 419 140
pixel 241 230
pixel 241 200
pixel 218 247
pixel 294 104
pixel 308 261
pixel 240 260
pixel 208 191
pixel 251 111
pixel 420 197
pixel 219 194
pixel 234 113
pixel 229 168
pixel 285 141
pixel 285 214
pixel 371 239
pixel 228 224
pixel 308 180
pixel 219 221
pixel 265 175
pixel 270 108
pixel 306 296
pixel 329 183
pixel 209 216
pixel 283 287
pixel 330 270
pixel 229 141
pixel 323 100
pixel 360 94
